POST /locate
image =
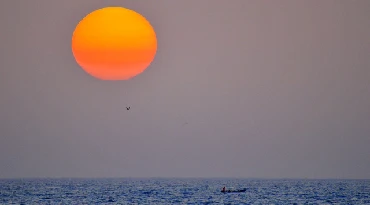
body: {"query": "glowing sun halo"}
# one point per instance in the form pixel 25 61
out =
pixel 114 43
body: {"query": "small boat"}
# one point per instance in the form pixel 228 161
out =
pixel 234 191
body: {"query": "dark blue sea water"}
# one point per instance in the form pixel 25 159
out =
pixel 182 191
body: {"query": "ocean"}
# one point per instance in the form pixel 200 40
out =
pixel 183 191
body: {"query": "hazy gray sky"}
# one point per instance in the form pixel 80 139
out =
pixel 267 89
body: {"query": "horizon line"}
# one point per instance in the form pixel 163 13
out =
pixel 188 177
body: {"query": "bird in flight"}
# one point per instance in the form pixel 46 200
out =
pixel 128 108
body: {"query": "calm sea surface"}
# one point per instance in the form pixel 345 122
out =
pixel 182 191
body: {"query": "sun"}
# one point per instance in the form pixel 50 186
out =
pixel 114 43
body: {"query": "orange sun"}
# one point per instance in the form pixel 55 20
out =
pixel 114 43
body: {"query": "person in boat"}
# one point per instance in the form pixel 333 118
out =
pixel 223 189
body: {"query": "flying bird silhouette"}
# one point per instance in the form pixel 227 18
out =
pixel 128 108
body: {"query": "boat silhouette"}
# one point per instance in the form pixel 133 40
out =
pixel 234 191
